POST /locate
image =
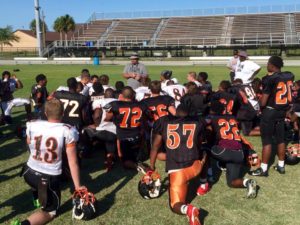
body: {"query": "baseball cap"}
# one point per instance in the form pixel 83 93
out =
pixel 243 54
pixel 134 56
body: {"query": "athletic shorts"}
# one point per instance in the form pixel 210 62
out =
pixel 7 106
pixel 272 125
pixel 130 148
pixel 247 125
pixel 234 160
pixel 108 138
pixel 50 195
pixel 179 181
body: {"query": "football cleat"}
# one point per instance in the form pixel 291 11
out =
pixel 280 169
pixel 259 172
pixel 251 189
pixel 83 205
pixel 36 203
pixel 15 222
pixel 193 215
pixel 21 132
pixel 149 186
pixel 203 190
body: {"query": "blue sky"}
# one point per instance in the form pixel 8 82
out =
pixel 19 13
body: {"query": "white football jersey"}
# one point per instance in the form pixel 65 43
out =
pixel 108 86
pixel 197 83
pixel 141 93
pixel 47 141
pixel 104 125
pixel 176 91
pixel 85 90
pixel 62 88
pixel 164 83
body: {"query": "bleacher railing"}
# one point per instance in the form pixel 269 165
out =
pixel 198 12
pixel 270 39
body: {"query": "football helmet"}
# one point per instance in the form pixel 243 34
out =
pixel 292 154
pixel 150 185
pixel 83 205
pixel 253 159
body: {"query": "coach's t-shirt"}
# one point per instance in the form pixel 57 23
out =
pixel 244 71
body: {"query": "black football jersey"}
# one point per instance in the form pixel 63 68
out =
pixel 36 91
pixel 158 106
pixel 74 105
pixel 182 141
pixel 226 99
pixel 247 105
pixel 279 88
pixel 128 117
pixel 196 103
pixel 225 127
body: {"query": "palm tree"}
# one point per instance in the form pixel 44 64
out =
pixel 69 25
pixel 6 36
pixel 58 26
pixel 32 26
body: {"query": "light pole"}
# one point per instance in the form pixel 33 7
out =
pixel 38 27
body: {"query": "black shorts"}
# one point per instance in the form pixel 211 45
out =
pixel 108 138
pixel 130 148
pixel 234 160
pixel 233 172
pixel 272 125
pixel 52 194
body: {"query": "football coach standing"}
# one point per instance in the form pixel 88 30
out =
pixel 246 69
pixel 134 71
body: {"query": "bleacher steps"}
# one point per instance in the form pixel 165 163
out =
pixel 226 32
pixel 290 29
pixel 101 41
pixel 161 26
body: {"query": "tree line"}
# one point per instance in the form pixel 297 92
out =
pixel 63 25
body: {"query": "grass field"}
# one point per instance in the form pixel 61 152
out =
pixel 278 201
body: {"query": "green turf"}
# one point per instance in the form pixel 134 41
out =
pixel 278 201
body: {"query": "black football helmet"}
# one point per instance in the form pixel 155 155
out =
pixel 149 186
pixel 167 74
pixel 291 154
pixel 253 160
pixel 83 205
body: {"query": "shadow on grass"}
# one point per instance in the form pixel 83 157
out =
pixel 11 150
pixel 101 182
pixel 4 177
pixel 19 205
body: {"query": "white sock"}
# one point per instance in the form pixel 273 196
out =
pixel 183 209
pixel 264 166
pixel 203 186
pixel 245 182
pixel 281 163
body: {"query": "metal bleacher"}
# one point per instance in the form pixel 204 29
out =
pixel 193 28
pixel 264 28
pixel 192 31
pixel 133 31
